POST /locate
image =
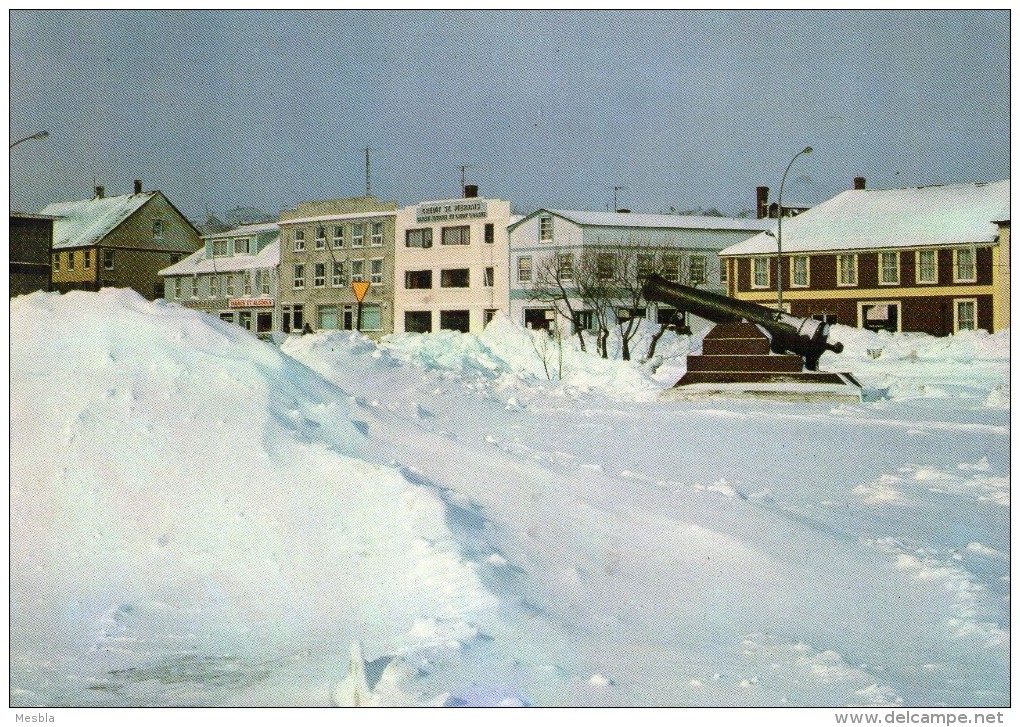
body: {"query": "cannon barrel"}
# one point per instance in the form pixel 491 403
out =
pixel 805 337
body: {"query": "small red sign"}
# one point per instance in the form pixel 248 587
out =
pixel 250 303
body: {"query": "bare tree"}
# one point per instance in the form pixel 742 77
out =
pixel 553 285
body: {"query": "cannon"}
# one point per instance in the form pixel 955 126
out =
pixel 805 337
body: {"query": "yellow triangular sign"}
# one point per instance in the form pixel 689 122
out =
pixel 360 288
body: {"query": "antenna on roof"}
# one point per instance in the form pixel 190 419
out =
pixel 616 206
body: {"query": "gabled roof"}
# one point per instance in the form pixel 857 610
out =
pixel 86 222
pixel 951 214
pixel 255 229
pixel 588 218
pixel 197 262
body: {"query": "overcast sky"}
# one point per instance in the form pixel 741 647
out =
pixel 685 109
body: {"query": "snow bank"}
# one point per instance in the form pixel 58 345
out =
pixel 181 488
pixel 916 365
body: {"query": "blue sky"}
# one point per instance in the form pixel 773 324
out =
pixel 685 109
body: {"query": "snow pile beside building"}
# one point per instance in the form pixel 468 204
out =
pixel 182 491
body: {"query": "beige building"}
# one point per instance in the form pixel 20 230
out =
pixel 327 246
pixel 118 242
pixel 451 264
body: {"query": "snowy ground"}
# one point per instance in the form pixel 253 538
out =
pixel 199 518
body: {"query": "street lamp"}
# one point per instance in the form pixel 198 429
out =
pixel 779 232
pixel 39 135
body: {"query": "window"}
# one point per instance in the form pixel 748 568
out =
pixel 107 259
pixel 299 240
pixel 375 268
pixel 671 266
pixel 699 267
pixel 488 314
pixel 964 314
pixel 524 269
pixel 219 248
pixel 825 317
pixel 357 270
pixel 245 320
pixel 88 259
pixel 645 264
pixel 214 286
pixel 70 260
pixel 418 279
pixel 460 235
pixel 227 317
pixel 846 270
pixel 293 318
pixel 299 276
pixel 605 265
pixel 454 278
pixel 760 272
pixel 566 263
pixel 799 271
pixel 242 246
pixel 545 228
pixel 489 278
pixel 177 288
pixel 265 281
pixel 881 316
pixel 927 266
pixel 964 268
pixel 724 270
pixel 327 317
pixel 338 236
pixel 338 275
pixel 418 238
pixel 320 275
pixel 157 229
pixel 175 257
pixel 371 317
pixel 490 233
pixel 377 228
pixel 418 321
pixel 56 262
pixel 888 268
pixel 230 285
pixel 320 238
pixel 455 320
pixel 192 287
pixel 358 235
pixel 247 281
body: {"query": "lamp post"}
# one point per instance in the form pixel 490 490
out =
pixel 779 232
pixel 38 135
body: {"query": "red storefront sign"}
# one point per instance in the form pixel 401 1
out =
pixel 250 303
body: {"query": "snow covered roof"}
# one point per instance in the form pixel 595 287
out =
pixel 630 219
pixel 336 217
pixel 197 262
pixel 245 230
pixel 950 214
pixel 86 222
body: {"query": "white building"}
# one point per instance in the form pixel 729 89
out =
pixel 235 276
pixel 681 248
pixel 451 264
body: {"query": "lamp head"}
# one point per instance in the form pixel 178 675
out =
pixel 807 150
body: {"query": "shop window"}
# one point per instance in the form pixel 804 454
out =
pixel 418 321
pixel 371 317
pixel 455 320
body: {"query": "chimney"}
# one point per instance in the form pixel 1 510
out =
pixel 100 192
pixel 623 211
pixel 470 190
pixel 138 186
pixel 761 208
pixel 858 182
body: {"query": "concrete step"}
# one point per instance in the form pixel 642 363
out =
pixel 786 363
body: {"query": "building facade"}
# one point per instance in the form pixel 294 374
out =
pixel 451 264
pixel 926 259
pixel 326 247
pixel 234 275
pixel 118 242
pixel 681 248
pixel 31 246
